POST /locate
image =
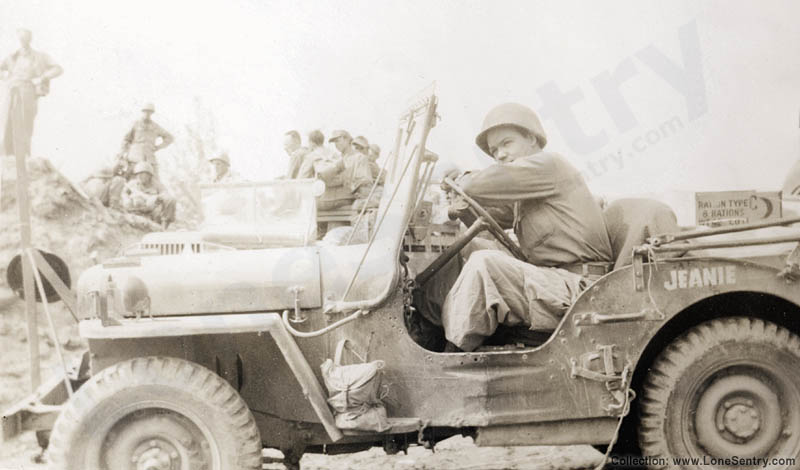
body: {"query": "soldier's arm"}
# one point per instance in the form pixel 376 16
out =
pixel 329 171
pixel 51 69
pixel 499 184
pixel 5 67
pixel 362 178
pixel 502 213
pixel 166 138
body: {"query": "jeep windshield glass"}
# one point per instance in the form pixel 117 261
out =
pixel 375 271
pixel 269 213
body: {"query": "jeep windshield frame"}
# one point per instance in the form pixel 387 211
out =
pixel 377 272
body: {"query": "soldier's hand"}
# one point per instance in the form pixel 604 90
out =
pixel 453 175
pixel 458 207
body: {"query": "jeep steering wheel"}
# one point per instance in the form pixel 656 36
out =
pixel 494 227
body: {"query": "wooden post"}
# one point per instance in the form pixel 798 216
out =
pixel 27 272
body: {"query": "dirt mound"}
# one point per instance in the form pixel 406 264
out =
pixel 64 221
pixel 81 232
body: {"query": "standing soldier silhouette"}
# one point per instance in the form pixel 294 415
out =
pixel 25 76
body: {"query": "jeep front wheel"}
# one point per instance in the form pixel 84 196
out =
pixel 728 389
pixel 155 413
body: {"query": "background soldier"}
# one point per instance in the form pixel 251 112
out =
pixel 26 76
pixel 295 151
pixel 357 176
pixel 360 144
pixel 141 143
pixel 222 169
pixel 97 185
pixel 373 155
pixel 142 196
pixel 317 155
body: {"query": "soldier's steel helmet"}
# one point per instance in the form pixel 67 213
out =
pixel 149 107
pixel 143 167
pixel 338 133
pixel 361 141
pixel 104 172
pixel 511 114
pixel 223 157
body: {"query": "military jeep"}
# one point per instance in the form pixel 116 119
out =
pixel 203 360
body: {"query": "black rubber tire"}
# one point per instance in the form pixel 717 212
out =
pixel 705 381
pixel 155 408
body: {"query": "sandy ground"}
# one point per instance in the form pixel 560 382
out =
pixel 456 453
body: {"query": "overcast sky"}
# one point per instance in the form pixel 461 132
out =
pixel 641 95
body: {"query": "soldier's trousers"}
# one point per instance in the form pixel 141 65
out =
pixel 494 288
pixel 18 106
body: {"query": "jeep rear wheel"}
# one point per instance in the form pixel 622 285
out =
pixel 727 388
pixel 155 413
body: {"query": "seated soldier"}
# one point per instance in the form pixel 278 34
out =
pixel 346 177
pixel 558 223
pixel 222 169
pixel 374 154
pixel 142 196
pixel 97 185
pixel 358 174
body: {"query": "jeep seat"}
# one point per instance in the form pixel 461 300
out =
pixel 631 221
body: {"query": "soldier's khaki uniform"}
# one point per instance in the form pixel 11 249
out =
pixel 296 159
pixel 558 224
pixel 98 185
pixel 148 201
pixel 18 97
pixel 357 175
pixel 140 143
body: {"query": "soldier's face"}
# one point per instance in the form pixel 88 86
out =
pixel 144 178
pixel 508 143
pixel 24 37
pixel 341 144
pixel 146 113
pixel 220 167
pixel 290 144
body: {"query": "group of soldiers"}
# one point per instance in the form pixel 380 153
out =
pixel 348 170
pixel 534 192
pixel 133 184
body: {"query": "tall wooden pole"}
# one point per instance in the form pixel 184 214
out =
pixel 25 237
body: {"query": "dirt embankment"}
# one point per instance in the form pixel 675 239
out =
pixel 81 232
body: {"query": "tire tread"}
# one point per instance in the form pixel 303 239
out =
pixel 167 371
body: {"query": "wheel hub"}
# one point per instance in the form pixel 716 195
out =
pixel 738 415
pixel 156 454
pixel 742 420
pixel 156 439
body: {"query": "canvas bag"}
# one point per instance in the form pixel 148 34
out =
pixel 355 393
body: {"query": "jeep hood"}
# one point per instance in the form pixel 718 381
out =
pixel 221 282
pixel 237 280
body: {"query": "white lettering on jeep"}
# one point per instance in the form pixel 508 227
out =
pixel 701 277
